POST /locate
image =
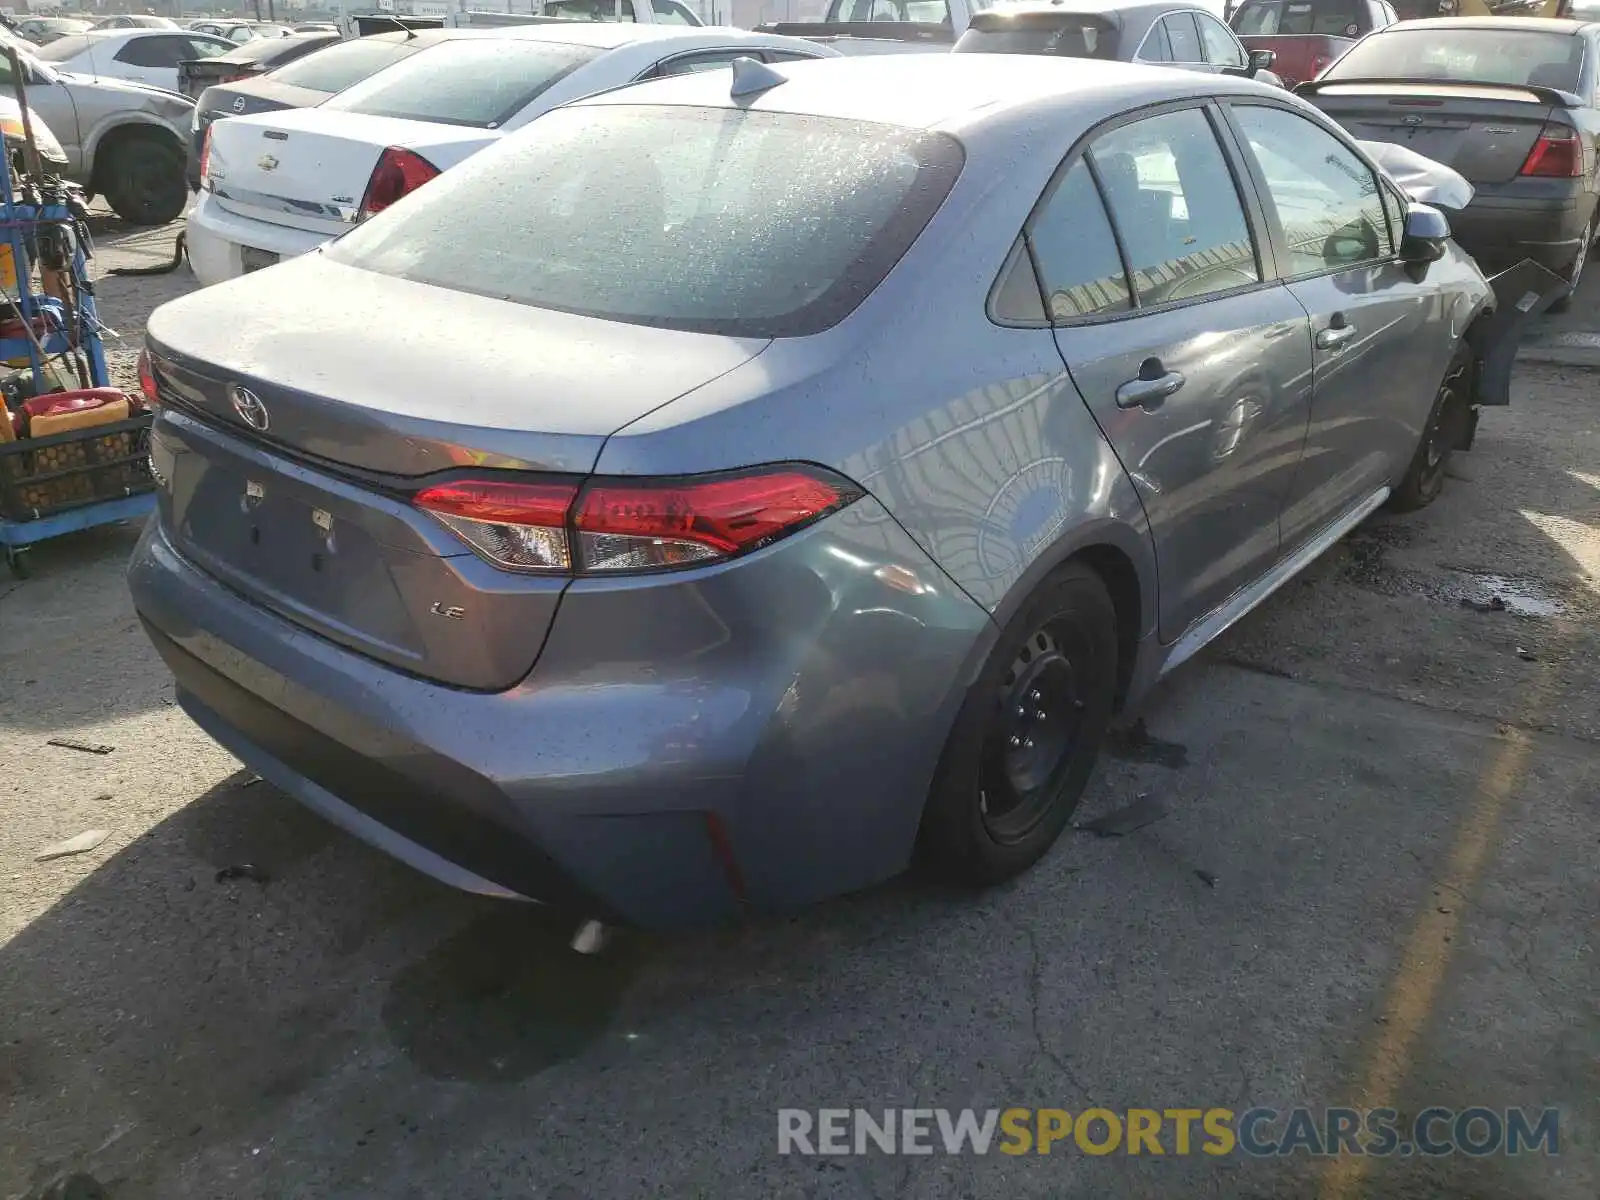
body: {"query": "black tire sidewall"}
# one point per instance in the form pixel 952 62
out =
pixel 1410 495
pixel 138 156
pixel 1075 603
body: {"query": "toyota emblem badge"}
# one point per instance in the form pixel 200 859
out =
pixel 249 407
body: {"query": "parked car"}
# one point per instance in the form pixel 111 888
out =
pixel 1307 35
pixel 301 84
pixel 122 140
pixel 643 12
pixel 1162 34
pixel 726 484
pixel 241 32
pixel 316 27
pixel 41 31
pixel 1510 104
pixel 136 21
pixel 249 60
pixel 138 55
pixel 281 183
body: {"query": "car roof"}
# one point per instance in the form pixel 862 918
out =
pixel 950 92
pixel 1531 24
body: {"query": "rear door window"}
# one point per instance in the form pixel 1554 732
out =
pixel 157 51
pixel 1080 268
pixel 1328 202
pixel 1221 47
pixel 1183 38
pixel 1176 208
pixel 689 64
pixel 476 82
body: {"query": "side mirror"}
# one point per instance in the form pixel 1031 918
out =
pixel 1262 60
pixel 1424 236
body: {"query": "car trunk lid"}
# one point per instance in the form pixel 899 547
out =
pixel 1484 132
pixel 366 388
pixel 307 168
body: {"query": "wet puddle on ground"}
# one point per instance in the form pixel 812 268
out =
pixel 1499 593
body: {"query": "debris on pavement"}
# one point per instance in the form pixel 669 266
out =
pixel 1526 655
pixel 242 871
pixel 1146 809
pixel 1134 743
pixel 67 743
pixel 1205 877
pixel 1492 604
pixel 81 844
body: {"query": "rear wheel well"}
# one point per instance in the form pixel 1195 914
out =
pixel 1121 578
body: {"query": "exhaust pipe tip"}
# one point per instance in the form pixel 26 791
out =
pixel 591 937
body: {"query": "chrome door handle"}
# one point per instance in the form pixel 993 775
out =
pixel 1148 393
pixel 1334 337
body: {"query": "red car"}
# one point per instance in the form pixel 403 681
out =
pixel 1307 35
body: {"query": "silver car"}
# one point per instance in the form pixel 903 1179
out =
pixel 125 141
pixel 732 484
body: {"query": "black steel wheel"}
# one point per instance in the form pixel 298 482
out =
pixel 1028 734
pixel 1446 429
pixel 143 180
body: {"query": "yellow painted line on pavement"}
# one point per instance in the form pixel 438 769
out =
pixel 1427 954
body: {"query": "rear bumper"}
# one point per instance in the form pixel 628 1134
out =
pixel 1502 230
pixel 216 237
pixel 763 732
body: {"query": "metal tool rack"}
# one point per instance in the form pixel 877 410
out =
pixel 69 481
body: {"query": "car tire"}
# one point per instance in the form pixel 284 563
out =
pixel 144 180
pixel 1030 728
pixel 1445 430
pixel 1574 273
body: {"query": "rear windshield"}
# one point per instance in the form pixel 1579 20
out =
pixel 264 50
pixel 926 12
pixel 1328 18
pixel 481 82
pixel 1510 56
pixel 750 224
pixel 1071 35
pixel 337 67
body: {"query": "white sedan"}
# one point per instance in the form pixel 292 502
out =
pixel 148 56
pixel 281 183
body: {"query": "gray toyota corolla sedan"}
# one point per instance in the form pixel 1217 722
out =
pixel 734 483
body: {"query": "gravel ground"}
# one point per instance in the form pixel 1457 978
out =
pixel 1377 885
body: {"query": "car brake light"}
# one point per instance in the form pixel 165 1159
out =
pixel 398 173
pixel 1558 153
pixel 147 379
pixel 205 158
pixel 622 525
pixel 521 526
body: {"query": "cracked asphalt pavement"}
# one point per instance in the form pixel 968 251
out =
pixel 1377 885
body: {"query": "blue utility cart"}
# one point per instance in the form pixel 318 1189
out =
pixel 62 482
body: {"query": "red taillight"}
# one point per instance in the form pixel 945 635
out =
pixel 522 526
pixel 1557 153
pixel 147 379
pixel 205 158
pixel 618 525
pixel 398 173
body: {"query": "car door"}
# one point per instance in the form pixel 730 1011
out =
pixel 1195 364
pixel 1378 353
